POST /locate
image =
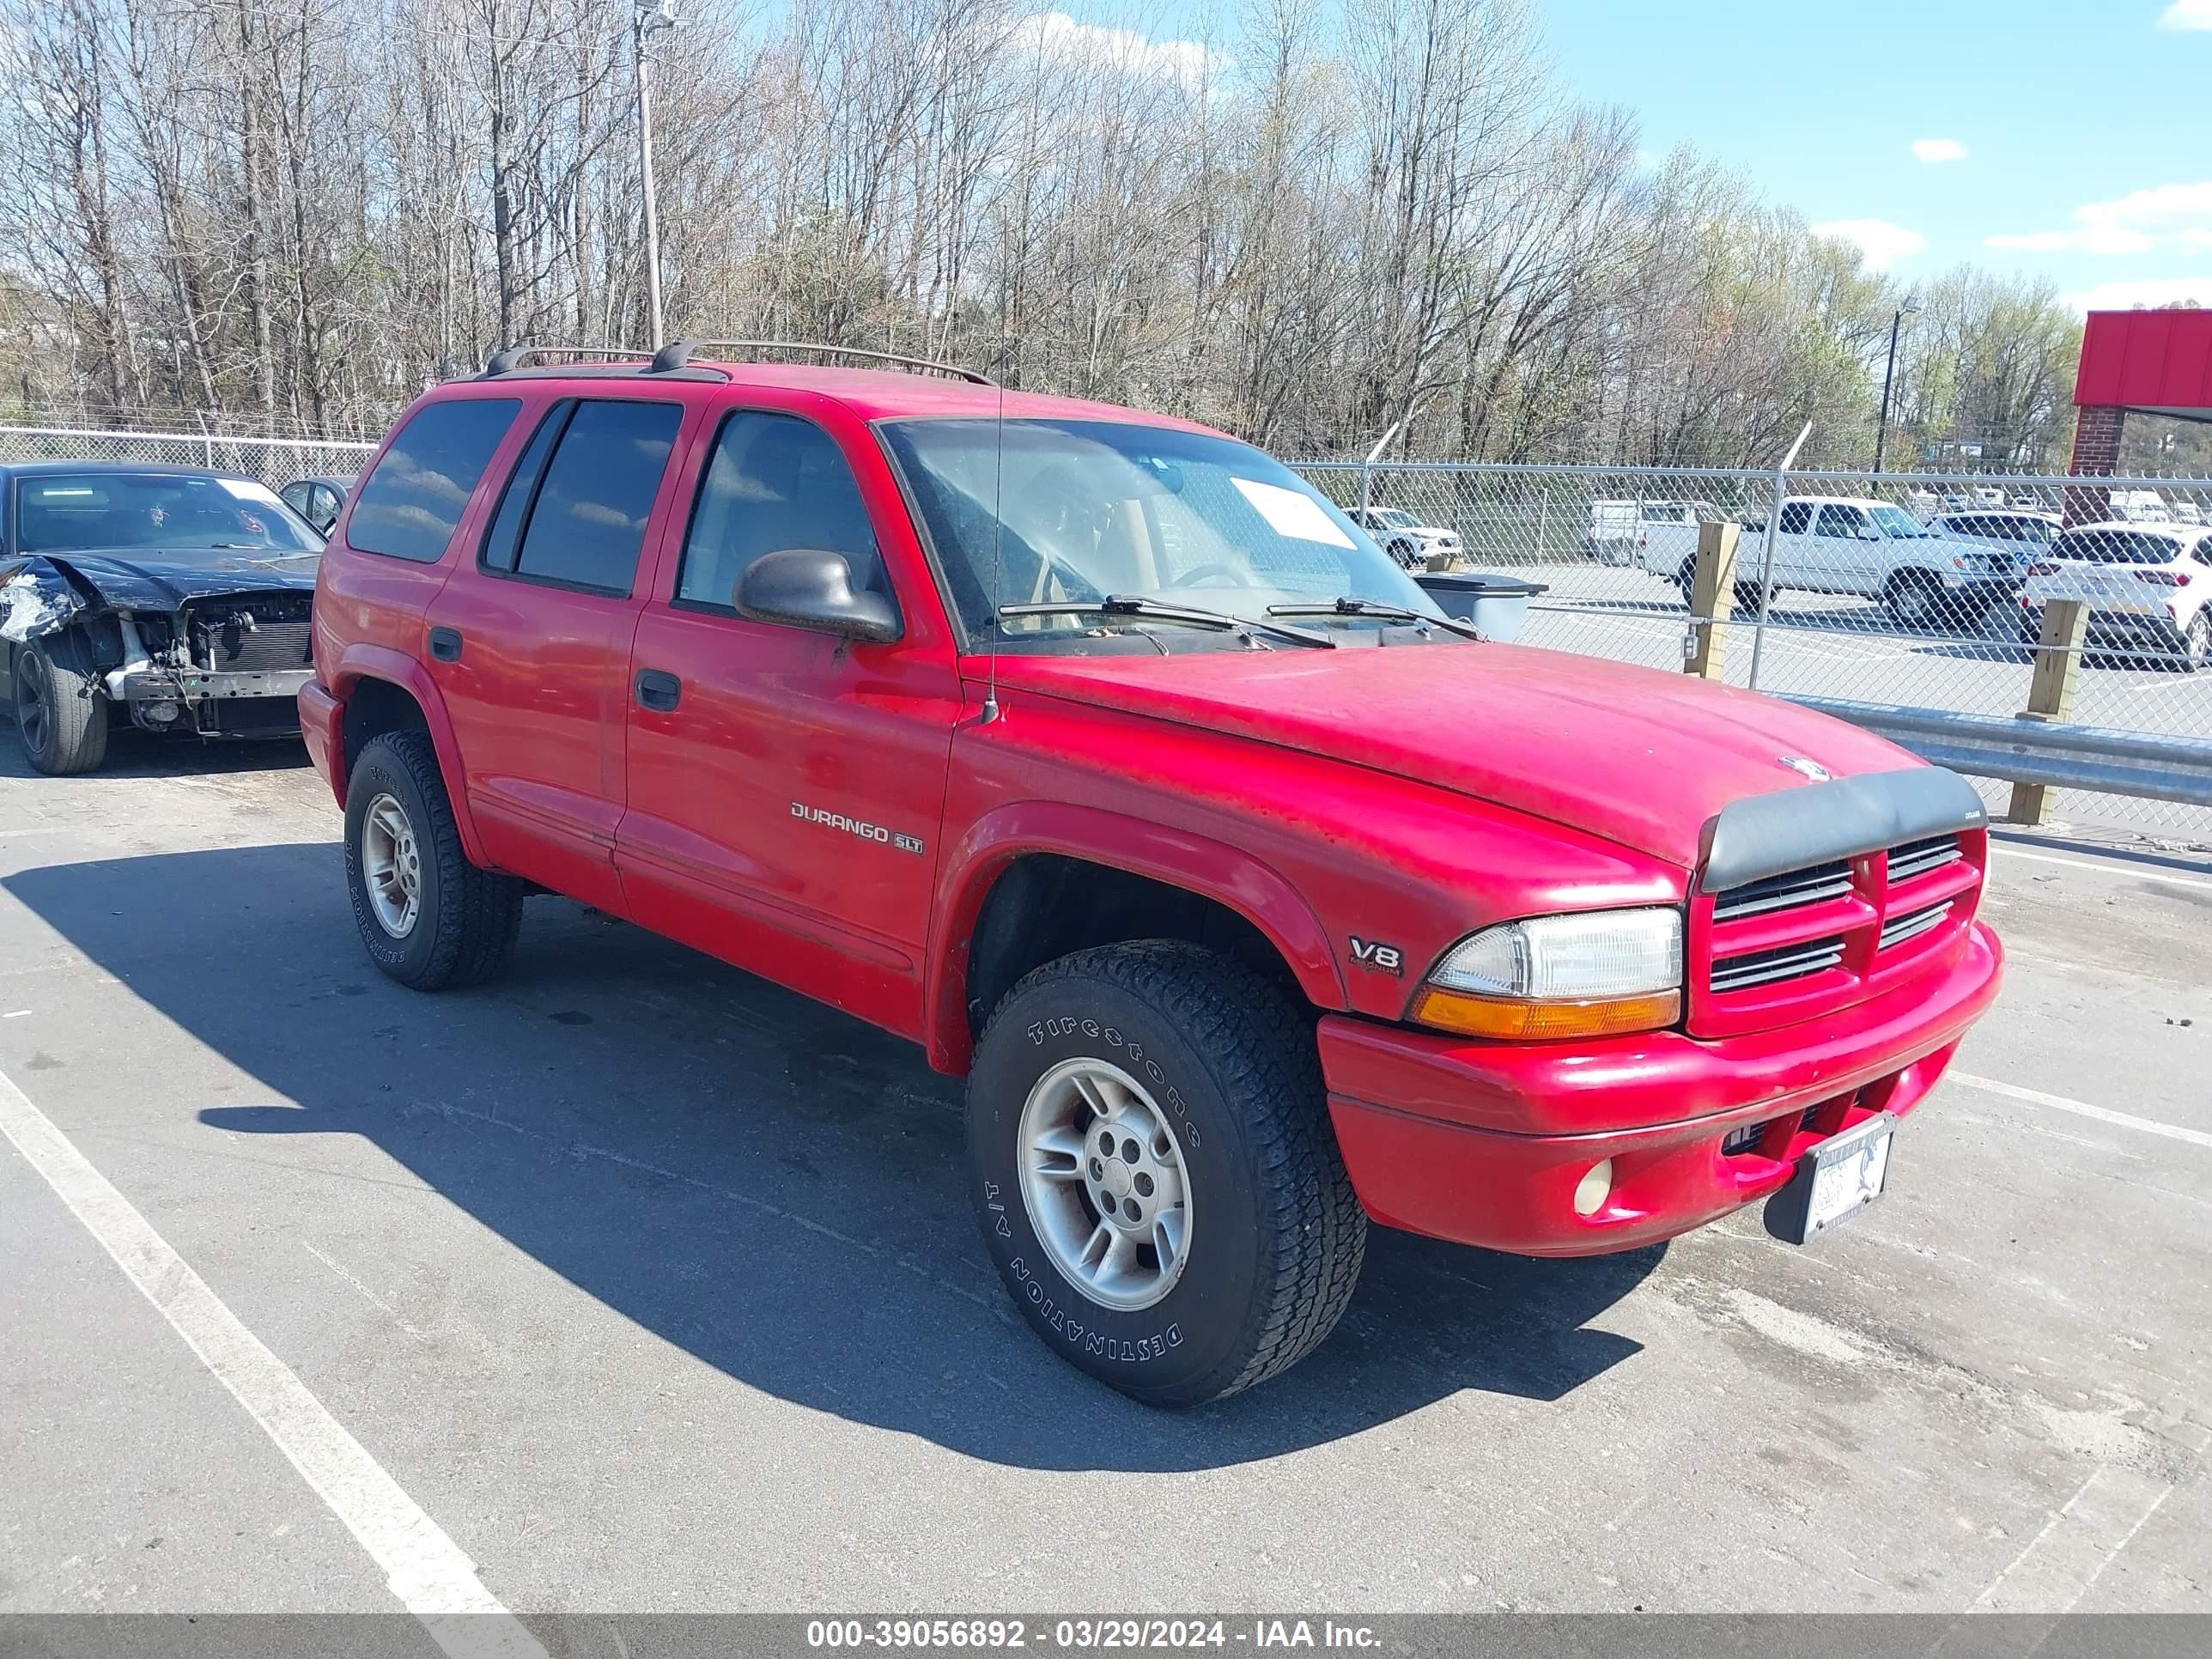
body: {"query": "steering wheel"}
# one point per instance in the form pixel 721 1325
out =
pixel 1191 578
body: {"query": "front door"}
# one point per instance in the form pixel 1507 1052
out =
pixel 529 642
pixel 1846 560
pixel 785 787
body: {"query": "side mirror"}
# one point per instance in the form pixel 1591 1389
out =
pixel 808 587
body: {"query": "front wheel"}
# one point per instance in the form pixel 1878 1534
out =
pixel 427 916
pixel 61 713
pixel 1915 599
pixel 1153 1164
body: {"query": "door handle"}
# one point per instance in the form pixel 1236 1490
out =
pixel 445 644
pixel 658 690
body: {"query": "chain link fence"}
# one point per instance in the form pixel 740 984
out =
pixel 1917 588
pixel 274 461
pixel 1924 589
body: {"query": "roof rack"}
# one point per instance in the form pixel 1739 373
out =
pixel 507 360
pixel 678 354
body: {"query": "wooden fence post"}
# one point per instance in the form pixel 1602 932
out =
pixel 2050 693
pixel 1712 597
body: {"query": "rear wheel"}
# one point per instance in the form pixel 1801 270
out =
pixel 427 916
pixel 61 713
pixel 1155 1174
pixel 1747 599
pixel 1687 579
pixel 2197 642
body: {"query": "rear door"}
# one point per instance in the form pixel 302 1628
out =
pixel 529 641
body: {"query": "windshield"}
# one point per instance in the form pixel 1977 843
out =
pixel 1896 522
pixel 75 512
pixel 1099 507
pixel 2115 546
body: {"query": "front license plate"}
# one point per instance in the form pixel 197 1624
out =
pixel 1834 1181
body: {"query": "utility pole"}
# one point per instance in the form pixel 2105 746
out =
pixel 649 21
pixel 1882 421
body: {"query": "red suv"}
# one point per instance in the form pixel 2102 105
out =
pixel 1102 756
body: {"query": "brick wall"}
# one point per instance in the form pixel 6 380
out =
pixel 2096 449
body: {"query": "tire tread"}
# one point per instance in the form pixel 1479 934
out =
pixel 1260 1046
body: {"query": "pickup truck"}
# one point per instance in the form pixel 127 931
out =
pixel 1104 758
pixel 1842 545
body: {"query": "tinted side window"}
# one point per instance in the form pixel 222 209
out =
pixel 2203 554
pixel 1796 516
pixel 774 482
pixel 586 526
pixel 1839 521
pixel 506 533
pixel 409 506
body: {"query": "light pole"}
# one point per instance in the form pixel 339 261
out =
pixel 650 21
pixel 1910 307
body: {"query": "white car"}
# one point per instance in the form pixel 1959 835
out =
pixel 1403 536
pixel 1853 545
pixel 2017 531
pixel 2145 586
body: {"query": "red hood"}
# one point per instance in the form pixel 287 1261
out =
pixel 1641 757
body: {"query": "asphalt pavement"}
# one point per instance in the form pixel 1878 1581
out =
pixel 643 1285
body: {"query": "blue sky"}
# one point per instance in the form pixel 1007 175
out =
pixel 2086 125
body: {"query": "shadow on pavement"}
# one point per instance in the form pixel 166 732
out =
pixel 764 1182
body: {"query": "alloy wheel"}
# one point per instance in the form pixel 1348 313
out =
pixel 1103 1178
pixel 391 866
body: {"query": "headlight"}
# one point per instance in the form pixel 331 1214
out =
pixel 1592 973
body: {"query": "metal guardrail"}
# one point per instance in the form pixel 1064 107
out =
pixel 2049 753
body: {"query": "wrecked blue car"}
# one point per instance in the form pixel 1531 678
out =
pixel 173 601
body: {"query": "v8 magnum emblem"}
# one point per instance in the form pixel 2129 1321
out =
pixel 1382 958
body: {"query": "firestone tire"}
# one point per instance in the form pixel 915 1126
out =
pixel 464 921
pixel 1274 1234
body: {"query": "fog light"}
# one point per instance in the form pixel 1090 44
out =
pixel 1593 1188
pixel 162 713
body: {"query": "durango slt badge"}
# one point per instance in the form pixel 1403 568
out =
pixel 875 832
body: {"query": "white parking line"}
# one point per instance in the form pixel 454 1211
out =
pixel 2063 1563
pixel 2083 1108
pixel 2117 868
pixel 423 1567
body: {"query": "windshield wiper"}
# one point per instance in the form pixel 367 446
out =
pixel 1135 604
pixel 1351 607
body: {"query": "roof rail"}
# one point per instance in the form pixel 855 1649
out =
pixel 678 353
pixel 507 359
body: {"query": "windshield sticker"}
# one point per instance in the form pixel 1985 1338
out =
pixel 1288 513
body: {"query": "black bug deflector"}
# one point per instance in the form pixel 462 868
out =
pixel 1766 835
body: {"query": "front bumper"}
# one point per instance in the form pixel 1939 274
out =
pixel 215 704
pixel 1484 1143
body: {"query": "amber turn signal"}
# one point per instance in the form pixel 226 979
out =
pixel 1539 1022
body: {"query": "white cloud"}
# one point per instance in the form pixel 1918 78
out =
pixel 2187 15
pixel 2166 216
pixel 2151 207
pixel 2090 239
pixel 1943 149
pixel 1055 35
pixel 2148 291
pixel 1880 243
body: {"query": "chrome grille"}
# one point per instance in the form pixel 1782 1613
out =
pixel 1917 858
pixel 1790 890
pixel 1784 962
pixel 1913 924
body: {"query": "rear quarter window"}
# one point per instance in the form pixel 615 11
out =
pixel 412 502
